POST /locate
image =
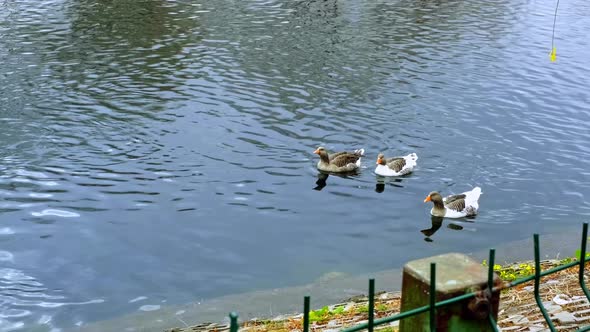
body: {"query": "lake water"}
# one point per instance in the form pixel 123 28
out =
pixel 160 152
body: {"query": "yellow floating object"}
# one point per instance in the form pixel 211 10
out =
pixel 553 55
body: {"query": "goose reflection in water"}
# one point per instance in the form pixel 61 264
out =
pixel 436 223
pixel 323 177
pixel 321 182
pixel 380 185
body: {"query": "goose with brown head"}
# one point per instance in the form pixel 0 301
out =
pixel 339 162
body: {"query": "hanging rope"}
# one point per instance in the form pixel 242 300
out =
pixel 553 54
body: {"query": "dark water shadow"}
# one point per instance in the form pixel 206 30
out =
pixel 382 180
pixel 436 224
pixel 323 177
pixel 321 182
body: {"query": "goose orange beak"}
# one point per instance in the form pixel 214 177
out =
pixel 317 152
pixel 378 161
pixel 427 199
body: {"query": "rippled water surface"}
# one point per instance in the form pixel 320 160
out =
pixel 160 152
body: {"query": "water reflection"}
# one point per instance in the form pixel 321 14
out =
pixel 379 187
pixel 436 224
pixel 455 226
pixel 321 182
pixel 382 180
pixel 322 178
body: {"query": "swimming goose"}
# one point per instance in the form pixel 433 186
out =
pixel 396 166
pixel 340 161
pixel 455 206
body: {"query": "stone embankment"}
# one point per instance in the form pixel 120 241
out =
pixel 561 293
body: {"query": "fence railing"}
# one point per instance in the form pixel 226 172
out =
pixel 433 305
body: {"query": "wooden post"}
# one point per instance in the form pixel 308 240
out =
pixel 456 274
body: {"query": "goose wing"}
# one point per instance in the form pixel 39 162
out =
pixel 451 198
pixel 455 202
pixel 336 154
pixel 344 159
pixel 396 163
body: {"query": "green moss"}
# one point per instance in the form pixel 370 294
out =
pixel 338 310
pixel 362 309
pixel 566 260
pixel 512 272
pixel 325 313
pixel 319 315
pixel 523 270
pixel 381 307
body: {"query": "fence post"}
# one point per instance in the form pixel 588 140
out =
pixel 371 304
pixel 233 322
pixel 491 273
pixel 456 275
pixel 306 314
pixel 583 260
pixel 538 283
pixel 432 297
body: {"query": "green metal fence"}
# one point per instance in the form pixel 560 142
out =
pixel 433 305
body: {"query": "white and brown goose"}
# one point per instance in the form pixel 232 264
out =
pixel 339 162
pixel 455 206
pixel 395 166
